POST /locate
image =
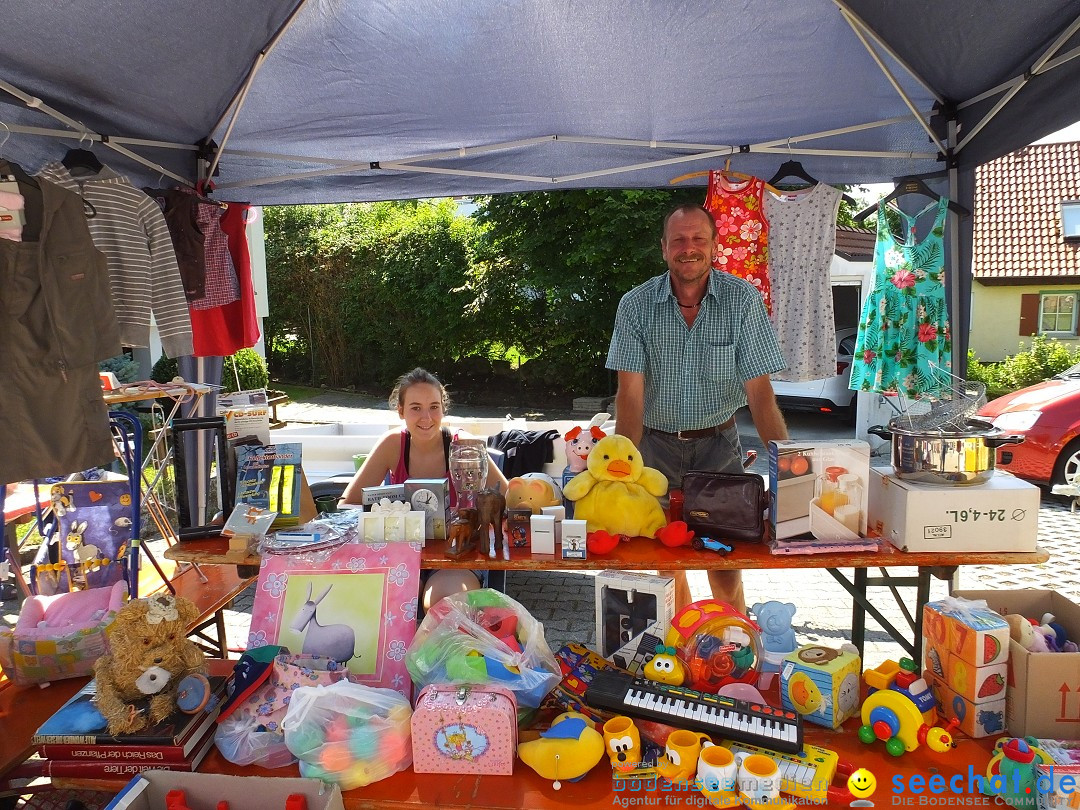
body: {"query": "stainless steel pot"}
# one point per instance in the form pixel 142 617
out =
pixel 950 457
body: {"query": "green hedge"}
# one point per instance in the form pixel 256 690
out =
pixel 1041 361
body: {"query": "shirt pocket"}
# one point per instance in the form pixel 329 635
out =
pixel 720 363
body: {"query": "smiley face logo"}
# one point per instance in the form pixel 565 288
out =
pixel 862 784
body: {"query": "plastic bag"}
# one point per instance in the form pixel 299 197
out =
pixel 484 637
pixel 349 734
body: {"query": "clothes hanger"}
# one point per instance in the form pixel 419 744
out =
pixel 82 159
pixel 911 185
pixel 793 168
pixel 727 172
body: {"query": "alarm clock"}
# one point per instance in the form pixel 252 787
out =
pixel 432 497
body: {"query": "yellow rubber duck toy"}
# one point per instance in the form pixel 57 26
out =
pixel 617 493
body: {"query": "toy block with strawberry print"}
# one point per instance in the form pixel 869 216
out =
pixel 967 630
pixel 986 719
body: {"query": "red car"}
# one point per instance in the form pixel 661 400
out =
pixel 1048 416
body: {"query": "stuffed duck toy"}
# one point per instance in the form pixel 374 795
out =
pixel 617 493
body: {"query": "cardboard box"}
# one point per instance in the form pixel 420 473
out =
pixel 818 488
pixel 821 684
pixel 982 720
pixel 1043 689
pixel 628 605
pixel 1000 515
pixel 147 791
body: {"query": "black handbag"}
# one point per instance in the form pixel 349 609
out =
pixel 725 506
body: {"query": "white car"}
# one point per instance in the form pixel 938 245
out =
pixel 829 395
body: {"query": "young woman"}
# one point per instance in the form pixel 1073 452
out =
pixel 422 449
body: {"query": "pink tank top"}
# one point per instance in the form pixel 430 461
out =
pixel 400 473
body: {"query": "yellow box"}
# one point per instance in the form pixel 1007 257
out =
pixel 821 684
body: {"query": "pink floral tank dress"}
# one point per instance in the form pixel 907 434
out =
pixel 742 230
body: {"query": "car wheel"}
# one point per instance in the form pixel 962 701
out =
pixel 698 544
pixel 1067 468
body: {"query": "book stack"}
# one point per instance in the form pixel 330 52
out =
pixel 75 743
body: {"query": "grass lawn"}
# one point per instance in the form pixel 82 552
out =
pixel 297 393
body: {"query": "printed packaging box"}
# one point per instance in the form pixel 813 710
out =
pixel 974 634
pixel 1042 696
pixel 628 605
pixel 818 488
pixel 1000 515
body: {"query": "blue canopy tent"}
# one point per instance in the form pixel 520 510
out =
pixel 343 100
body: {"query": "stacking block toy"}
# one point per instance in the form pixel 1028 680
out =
pixel 821 684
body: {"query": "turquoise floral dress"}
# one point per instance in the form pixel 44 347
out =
pixel 904 344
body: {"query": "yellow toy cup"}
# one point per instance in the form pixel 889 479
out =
pixel 622 741
pixel 681 750
pixel 716 769
pixel 759 778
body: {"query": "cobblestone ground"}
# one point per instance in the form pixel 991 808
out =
pixel 565 602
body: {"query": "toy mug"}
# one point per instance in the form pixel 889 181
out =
pixel 681 751
pixel 622 741
pixel 717 769
pixel 759 777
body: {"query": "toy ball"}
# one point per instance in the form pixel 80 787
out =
pixel 338 730
pixel 335 757
pixel 393 746
pixel 303 740
pixel 363 742
pixel 717 644
pixel 448 581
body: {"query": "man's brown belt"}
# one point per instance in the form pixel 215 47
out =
pixel 700 433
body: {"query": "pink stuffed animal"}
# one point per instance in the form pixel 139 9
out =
pixel 581 440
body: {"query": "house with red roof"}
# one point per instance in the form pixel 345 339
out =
pixel 1026 250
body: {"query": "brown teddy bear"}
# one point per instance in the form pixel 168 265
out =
pixel 149 654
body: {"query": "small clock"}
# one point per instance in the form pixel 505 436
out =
pixel 424 500
pixel 432 497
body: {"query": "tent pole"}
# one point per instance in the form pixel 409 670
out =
pixel 35 103
pixel 67 134
pixel 237 102
pixel 1001 88
pixel 1039 64
pixel 851 20
pixel 959 360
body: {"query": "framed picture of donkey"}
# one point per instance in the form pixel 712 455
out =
pixel 357 606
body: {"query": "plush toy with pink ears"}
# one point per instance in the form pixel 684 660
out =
pixel 581 440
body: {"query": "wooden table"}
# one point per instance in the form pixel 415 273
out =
pixel 641 553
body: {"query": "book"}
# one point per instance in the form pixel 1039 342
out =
pixel 78 723
pixel 79 769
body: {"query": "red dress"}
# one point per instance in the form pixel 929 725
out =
pixel 742 230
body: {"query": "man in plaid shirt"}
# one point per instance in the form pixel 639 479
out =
pixel 691 347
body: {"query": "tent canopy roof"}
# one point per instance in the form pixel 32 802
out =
pixel 383 99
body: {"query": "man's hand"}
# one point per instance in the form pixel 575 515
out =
pixel 630 405
pixel 768 420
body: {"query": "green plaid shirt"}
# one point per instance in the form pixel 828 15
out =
pixel 694 376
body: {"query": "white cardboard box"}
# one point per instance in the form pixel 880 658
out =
pixel 1000 515
pixel 147 791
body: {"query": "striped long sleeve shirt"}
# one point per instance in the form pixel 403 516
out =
pixel 130 230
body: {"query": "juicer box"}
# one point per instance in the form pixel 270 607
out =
pixel 818 488
pixel 999 515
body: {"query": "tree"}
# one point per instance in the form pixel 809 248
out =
pixel 561 260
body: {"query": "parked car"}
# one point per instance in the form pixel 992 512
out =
pixel 828 395
pixel 1048 416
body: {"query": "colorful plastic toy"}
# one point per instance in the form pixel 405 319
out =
pixel 717 645
pixel 901 711
pixel 568 750
pixel 664 667
pixel 702 543
pixel 1010 773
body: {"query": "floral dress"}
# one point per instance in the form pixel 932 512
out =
pixel 904 344
pixel 742 230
